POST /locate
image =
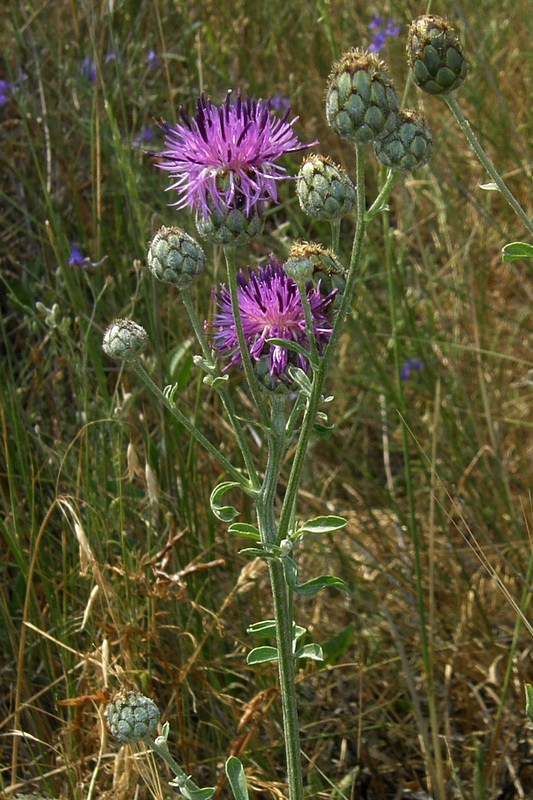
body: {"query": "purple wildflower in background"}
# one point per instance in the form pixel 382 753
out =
pixel 279 103
pixel 6 89
pixel 145 135
pixel 270 307
pixel 152 59
pixel 381 29
pixel 77 259
pixel 225 157
pixel 410 366
pixel 88 69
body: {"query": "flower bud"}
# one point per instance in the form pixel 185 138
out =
pixel 408 146
pixel 435 55
pixel 325 266
pixel 175 257
pixel 324 190
pixel 125 340
pixel 230 227
pixel 361 104
pixel 132 717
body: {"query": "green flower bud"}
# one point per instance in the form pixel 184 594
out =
pixel 361 104
pixel 325 266
pixel 125 340
pixel 175 257
pixel 324 190
pixel 132 717
pixel 408 146
pixel 229 227
pixel 435 55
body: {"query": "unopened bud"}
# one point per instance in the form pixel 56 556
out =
pixel 361 104
pixel 132 717
pixel 435 55
pixel 408 146
pixel 324 190
pixel 125 340
pixel 175 257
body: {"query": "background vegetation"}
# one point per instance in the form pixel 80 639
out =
pixel 113 571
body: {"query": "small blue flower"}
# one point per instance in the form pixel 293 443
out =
pixel 410 366
pixel 381 29
pixel 88 69
pixel 77 259
pixel 279 103
pixel 152 59
pixel 145 135
pixel 6 89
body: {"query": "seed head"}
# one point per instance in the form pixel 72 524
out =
pixel 408 146
pixel 361 104
pixel 132 717
pixel 175 257
pixel 125 340
pixel 324 190
pixel 435 55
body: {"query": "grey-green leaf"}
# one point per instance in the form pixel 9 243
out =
pixel 260 655
pixel 237 778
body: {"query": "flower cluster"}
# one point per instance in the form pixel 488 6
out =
pixel 225 157
pixel 270 307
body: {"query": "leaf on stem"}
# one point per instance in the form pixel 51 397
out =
pixel 245 530
pixel 517 250
pixel 260 655
pixel 236 778
pixel 327 524
pixel 221 512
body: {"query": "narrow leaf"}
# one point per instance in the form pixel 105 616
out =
pixel 257 552
pixel 245 530
pixel 517 250
pixel 288 345
pixel 266 627
pixel 315 585
pixel 221 512
pixel 236 778
pixel 323 524
pixel 260 655
pixel 312 651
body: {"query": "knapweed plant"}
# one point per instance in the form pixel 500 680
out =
pixel 277 323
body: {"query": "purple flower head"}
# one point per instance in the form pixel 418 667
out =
pixel 225 157
pixel 410 366
pixel 77 259
pixel 270 307
pixel 381 29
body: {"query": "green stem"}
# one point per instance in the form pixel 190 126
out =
pixel 281 595
pixel 251 377
pixel 222 391
pixel 160 747
pixel 188 425
pixel 486 162
pixel 320 374
pixel 383 196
